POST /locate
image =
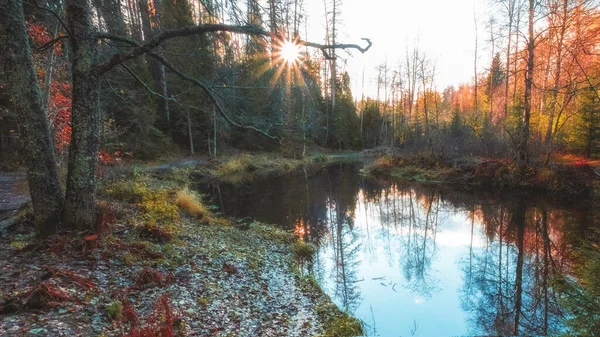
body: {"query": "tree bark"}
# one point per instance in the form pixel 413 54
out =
pixel 80 207
pixel 42 175
pixel 523 142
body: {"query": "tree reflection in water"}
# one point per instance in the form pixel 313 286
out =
pixel 467 262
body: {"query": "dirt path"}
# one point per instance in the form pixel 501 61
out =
pixel 13 193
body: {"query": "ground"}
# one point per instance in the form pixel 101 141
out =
pixel 159 263
pixel 229 282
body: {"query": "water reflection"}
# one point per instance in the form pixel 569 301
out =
pixel 421 260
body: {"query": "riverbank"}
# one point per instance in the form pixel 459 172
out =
pixel 162 264
pixel 564 179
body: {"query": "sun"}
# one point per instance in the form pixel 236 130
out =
pixel 289 52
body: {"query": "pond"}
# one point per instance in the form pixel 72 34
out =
pixel 421 260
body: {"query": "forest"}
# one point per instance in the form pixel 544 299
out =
pixel 114 112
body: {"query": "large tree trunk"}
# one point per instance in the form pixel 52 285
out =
pixel 80 205
pixel 42 176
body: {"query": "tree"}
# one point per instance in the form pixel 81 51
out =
pixel 26 98
pixel 523 137
pixel 87 67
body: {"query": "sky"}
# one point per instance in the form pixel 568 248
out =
pixel 444 29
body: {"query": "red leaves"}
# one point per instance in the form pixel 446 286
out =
pixel 44 295
pixel 150 277
pixel 38 33
pixel 160 323
pixel 59 111
pixel 73 277
pixel 107 158
pixel 229 268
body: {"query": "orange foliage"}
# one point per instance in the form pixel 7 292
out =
pixel 60 113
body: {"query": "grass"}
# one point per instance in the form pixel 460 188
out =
pixel 246 167
pixel 302 250
pixel 336 323
pixel 189 202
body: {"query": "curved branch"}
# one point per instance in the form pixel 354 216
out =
pixel 156 40
pixel 212 98
pixel 139 80
pixel 49 44
pixel 325 47
pixel 62 23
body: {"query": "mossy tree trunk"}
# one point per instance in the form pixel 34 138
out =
pixel 26 96
pixel 80 206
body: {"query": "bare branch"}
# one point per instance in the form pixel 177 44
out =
pixel 212 98
pixel 325 47
pixel 138 79
pixel 54 13
pixel 156 40
pixel 49 44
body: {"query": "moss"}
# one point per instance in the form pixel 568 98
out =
pixel 336 323
pixel 344 326
pixel 203 302
pixel 271 233
pixel 17 245
pixel 247 167
pixel 302 250
pixel 414 173
pixel 129 259
pixel 114 310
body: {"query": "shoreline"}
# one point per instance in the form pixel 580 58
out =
pixel 218 277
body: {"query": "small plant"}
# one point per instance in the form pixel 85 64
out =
pixel 17 245
pixel 114 310
pixel 42 296
pixel 203 302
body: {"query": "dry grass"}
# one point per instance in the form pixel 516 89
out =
pixel 188 202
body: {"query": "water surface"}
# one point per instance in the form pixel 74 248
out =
pixel 421 260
